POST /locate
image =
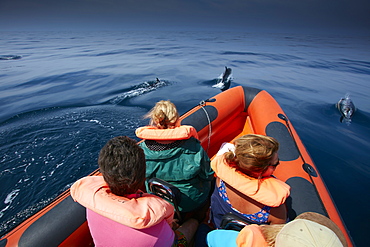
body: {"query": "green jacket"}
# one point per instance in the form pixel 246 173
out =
pixel 187 167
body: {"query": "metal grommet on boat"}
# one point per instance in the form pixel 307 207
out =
pixel 309 169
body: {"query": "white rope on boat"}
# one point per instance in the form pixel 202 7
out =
pixel 202 104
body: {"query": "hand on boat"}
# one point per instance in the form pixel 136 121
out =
pixel 175 224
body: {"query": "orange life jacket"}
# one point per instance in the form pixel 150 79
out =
pixel 251 236
pixel 272 192
pixel 178 133
pixel 93 193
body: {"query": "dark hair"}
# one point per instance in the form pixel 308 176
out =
pixel 122 163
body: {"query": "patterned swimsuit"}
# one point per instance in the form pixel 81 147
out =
pixel 261 217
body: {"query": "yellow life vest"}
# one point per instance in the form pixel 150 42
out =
pixel 272 192
pixel 178 133
pixel 93 193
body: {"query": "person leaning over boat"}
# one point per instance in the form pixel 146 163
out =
pixel 118 212
pixel 307 229
pixel 245 185
pixel 174 154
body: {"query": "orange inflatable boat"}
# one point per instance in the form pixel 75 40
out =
pixel 222 118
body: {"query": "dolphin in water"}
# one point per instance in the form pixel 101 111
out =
pixel 224 80
pixel 140 89
pixel 346 109
pixel 10 57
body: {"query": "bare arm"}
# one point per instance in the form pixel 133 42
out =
pixel 278 215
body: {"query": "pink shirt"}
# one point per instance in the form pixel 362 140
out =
pixel 107 232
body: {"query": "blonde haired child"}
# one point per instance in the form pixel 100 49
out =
pixel 174 154
pixel 163 115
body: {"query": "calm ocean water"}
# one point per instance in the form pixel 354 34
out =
pixel 64 94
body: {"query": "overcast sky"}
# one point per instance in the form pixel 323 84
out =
pixel 248 15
